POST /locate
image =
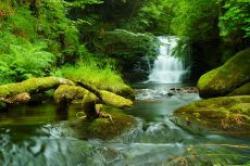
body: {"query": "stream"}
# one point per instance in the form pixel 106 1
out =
pixel 37 135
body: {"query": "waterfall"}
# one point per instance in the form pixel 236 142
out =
pixel 167 68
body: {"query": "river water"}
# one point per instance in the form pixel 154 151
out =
pixel 37 135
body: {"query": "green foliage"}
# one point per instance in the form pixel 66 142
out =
pixel 21 59
pixel 196 19
pixel 60 31
pixel 30 59
pixel 154 16
pixel 5 10
pixel 20 23
pixel 235 21
pixel 100 77
pixel 82 3
pixel 126 45
pixel 33 38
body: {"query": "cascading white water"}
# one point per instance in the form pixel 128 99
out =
pixel 167 68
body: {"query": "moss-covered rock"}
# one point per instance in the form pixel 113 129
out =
pixel 224 79
pixel 71 93
pixel 242 90
pixel 115 100
pixel 102 127
pixel 14 91
pixel 229 115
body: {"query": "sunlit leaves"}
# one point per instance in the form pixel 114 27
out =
pixel 235 21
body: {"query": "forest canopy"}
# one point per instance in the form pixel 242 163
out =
pixel 49 34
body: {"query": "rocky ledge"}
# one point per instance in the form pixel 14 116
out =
pixel 227 115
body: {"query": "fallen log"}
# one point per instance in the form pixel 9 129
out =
pixel 88 98
pixel 14 93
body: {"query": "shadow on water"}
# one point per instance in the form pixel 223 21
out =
pixel 39 135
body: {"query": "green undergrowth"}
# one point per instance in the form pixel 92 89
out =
pixel 35 39
pixel 104 78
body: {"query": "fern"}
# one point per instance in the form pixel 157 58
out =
pixel 31 60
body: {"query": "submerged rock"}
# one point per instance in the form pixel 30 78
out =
pixel 103 128
pixel 229 115
pixel 184 90
pixel 223 80
pixel 94 125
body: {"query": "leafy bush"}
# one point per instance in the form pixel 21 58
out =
pixel 20 59
pixel 60 31
pixel 196 19
pixel 126 45
pixel 235 22
pixel 153 16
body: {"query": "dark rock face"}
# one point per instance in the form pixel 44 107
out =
pixel 138 71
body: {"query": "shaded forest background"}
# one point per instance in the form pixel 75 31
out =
pixel 109 39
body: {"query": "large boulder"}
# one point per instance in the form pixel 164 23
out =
pixel 242 90
pixel 224 79
pixel 228 115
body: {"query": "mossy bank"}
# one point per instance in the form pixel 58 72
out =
pixel 227 115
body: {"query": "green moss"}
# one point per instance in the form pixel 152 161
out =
pixel 226 78
pixel 115 100
pixel 229 115
pixel 241 108
pixel 70 93
pixel 242 90
pixel 203 81
pixel 32 85
pixel 103 128
pixel 78 94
